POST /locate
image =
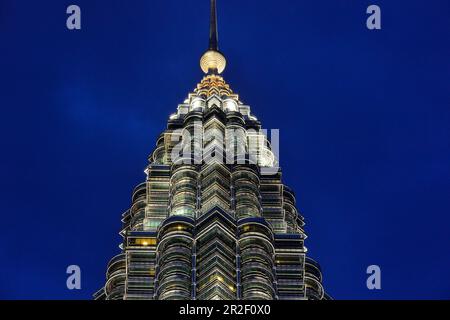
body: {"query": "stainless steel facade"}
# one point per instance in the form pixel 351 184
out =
pixel 213 220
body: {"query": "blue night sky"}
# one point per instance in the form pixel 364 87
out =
pixel 364 118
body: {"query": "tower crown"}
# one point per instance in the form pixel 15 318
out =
pixel 213 219
pixel 213 61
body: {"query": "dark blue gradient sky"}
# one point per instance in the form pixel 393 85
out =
pixel 364 119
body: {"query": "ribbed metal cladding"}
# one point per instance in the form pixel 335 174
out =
pixel 174 260
pixel 183 191
pixel 116 276
pixel 216 257
pixel 213 220
pixel 245 180
pixel 210 224
pixel 257 260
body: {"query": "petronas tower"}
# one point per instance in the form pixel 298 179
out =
pixel 213 220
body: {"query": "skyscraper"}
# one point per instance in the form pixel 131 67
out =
pixel 213 219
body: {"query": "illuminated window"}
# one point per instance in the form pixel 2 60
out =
pixel 145 242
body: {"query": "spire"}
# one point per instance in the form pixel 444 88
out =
pixel 213 61
pixel 213 36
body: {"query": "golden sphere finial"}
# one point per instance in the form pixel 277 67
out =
pixel 213 61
